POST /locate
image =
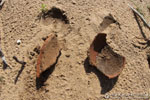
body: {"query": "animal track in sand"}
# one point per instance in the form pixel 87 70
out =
pixel 54 20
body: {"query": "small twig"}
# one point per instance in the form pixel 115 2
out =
pixel 22 68
pixel 5 65
pixel 2 2
pixel 141 16
pixel 16 59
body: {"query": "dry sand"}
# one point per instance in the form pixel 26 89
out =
pixel 72 78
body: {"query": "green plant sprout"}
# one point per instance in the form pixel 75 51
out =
pixel 44 8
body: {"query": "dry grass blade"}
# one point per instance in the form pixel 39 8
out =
pixel 141 16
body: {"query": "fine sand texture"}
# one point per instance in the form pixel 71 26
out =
pixel 76 23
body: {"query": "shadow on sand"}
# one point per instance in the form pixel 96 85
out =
pixel 44 75
pixel 105 83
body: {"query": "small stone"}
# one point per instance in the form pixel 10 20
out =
pixel 18 42
pixel 73 2
pixel 67 55
pixel 44 38
pixel 32 53
pixel 88 19
pixel 37 49
pixel 30 57
pixel 46 91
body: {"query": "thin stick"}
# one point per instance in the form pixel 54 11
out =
pixel 2 2
pixel 4 60
pixel 141 16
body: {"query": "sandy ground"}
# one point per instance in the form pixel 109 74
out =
pixel 72 78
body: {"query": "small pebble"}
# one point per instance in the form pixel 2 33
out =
pixel 67 55
pixel 73 2
pixel 37 49
pixel 18 42
pixel 44 38
pixel 32 53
